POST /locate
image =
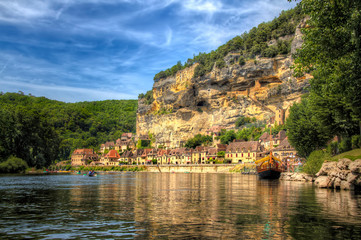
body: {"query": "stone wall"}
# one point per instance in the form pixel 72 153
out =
pixel 191 169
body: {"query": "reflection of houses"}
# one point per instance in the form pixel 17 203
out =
pixel 111 158
pixel 241 152
pixel 83 157
pixel 285 150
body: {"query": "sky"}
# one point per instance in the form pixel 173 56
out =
pixel 90 50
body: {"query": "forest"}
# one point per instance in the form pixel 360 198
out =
pixel 41 131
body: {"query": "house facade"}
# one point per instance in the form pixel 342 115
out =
pixel 82 157
pixel 243 152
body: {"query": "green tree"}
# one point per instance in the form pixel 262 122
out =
pixel 305 132
pixel 332 54
pixel 198 140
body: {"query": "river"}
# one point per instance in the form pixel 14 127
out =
pixel 173 206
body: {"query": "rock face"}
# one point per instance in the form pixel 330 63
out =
pixel 344 174
pixel 184 106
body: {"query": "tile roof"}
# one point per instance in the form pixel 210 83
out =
pixel 253 146
pixel 113 154
pixel 83 151
pixel 285 145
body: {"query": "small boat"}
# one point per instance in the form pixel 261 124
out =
pixel 92 174
pixel 269 167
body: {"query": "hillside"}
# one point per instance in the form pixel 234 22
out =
pixel 78 125
pixel 249 76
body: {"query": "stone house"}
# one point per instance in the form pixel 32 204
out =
pixel 81 157
pixel 106 146
pixel 199 155
pixel 162 155
pixel 125 142
pixel 137 156
pixel 243 152
pixel 111 158
pixel 285 150
pixel 127 157
pixel 266 141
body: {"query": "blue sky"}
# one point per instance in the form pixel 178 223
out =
pixel 88 50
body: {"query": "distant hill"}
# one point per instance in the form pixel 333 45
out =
pixel 79 125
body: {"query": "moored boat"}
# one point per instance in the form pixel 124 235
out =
pixel 269 167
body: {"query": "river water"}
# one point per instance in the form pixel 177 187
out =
pixel 173 206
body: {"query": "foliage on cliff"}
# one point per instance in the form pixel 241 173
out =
pixel 248 45
pixel 40 130
pixel 332 54
pixel 147 97
pixel 199 140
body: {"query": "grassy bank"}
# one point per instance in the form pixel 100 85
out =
pixel 352 155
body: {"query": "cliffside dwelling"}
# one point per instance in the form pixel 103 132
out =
pixel 81 157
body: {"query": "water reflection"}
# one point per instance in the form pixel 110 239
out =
pixel 173 205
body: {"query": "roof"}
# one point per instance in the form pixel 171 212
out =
pixel 253 146
pixel 109 144
pixel 264 137
pixel 284 145
pixel 113 154
pixel 128 135
pixel 127 154
pixel 83 151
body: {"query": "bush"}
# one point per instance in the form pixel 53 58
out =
pixel 13 165
pixel 345 145
pixel 314 161
pixel 241 61
pixel 356 141
pixel 332 148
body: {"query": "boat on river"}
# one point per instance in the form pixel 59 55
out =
pixel 269 167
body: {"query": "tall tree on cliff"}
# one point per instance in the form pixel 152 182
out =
pixel 332 53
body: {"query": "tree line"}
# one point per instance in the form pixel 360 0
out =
pixel 40 131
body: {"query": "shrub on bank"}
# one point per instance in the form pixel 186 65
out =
pixel 13 165
pixel 314 161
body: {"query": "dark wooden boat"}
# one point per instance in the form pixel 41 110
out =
pixel 269 167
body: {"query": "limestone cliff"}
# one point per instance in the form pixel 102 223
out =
pixel 184 106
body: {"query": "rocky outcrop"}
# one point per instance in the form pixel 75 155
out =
pixel 184 106
pixel 299 177
pixel 344 175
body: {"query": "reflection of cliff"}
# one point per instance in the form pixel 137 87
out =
pixel 184 106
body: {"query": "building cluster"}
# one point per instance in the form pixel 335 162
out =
pixel 124 151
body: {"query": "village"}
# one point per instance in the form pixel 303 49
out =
pixel 125 152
